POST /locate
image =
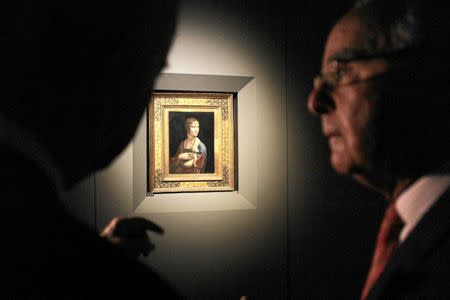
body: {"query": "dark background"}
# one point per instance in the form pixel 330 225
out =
pixel 177 133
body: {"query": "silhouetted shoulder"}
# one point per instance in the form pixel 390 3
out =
pixel 47 253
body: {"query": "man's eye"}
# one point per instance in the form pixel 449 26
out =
pixel 340 73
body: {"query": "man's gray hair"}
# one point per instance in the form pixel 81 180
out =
pixel 399 21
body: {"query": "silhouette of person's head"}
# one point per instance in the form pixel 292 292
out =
pixel 80 75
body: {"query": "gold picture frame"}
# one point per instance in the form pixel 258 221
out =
pixel 191 142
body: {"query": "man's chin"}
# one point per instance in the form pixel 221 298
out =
pixel 341 166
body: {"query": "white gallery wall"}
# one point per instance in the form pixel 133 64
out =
pixel 226 244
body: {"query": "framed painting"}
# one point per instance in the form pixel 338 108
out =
pixel 191 142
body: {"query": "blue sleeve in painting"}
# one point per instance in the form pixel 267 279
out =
pixel 202 149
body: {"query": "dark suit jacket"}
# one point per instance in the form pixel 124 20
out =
pixel 420 267
pixel 46 253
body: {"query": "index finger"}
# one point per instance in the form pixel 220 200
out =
pixel 137 226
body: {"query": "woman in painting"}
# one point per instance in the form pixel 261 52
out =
pixel 191 154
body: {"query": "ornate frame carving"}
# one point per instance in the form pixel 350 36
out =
pixel 161 106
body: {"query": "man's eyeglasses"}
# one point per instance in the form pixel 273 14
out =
pixel 343 74
pixel 331 79
pixel 342 77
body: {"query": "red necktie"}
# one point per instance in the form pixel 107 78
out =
pixel 387 241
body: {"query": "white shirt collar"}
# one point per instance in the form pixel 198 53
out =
pixel 415 201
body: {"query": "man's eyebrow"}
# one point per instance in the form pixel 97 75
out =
pixel 349 54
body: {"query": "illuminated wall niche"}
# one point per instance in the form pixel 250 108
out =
pixel 246 195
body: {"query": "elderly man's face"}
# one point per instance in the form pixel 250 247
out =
pixel 345 96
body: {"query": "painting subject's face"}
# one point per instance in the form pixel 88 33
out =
pixel 345 97
pixel 194 128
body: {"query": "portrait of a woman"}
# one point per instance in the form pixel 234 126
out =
pixel 191 155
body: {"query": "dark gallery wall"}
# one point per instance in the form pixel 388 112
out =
pixel 311 234
pixel 332 220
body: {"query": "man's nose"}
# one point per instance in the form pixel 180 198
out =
pixel 319 100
